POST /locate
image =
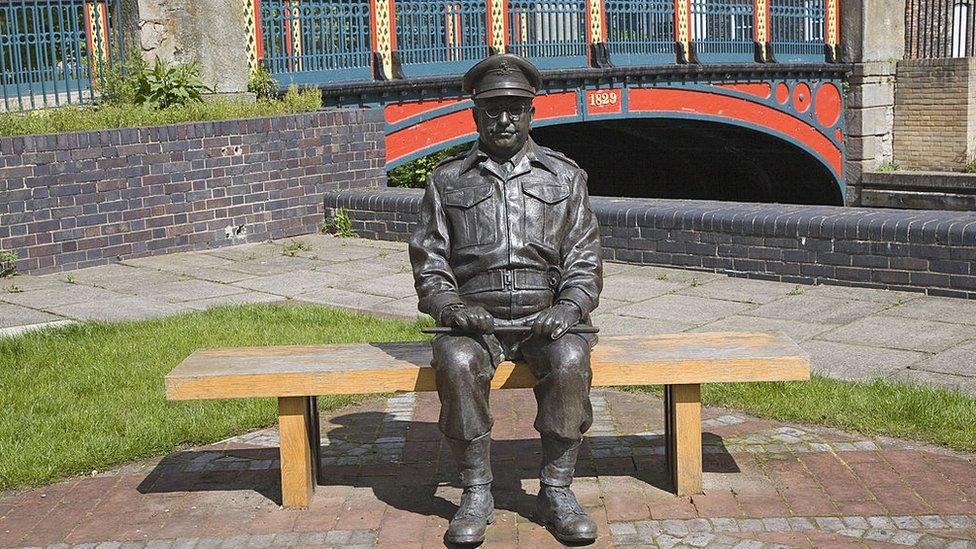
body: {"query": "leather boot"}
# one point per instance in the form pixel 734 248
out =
pixel 557 507
pixel 562 515
pixel 476 512
pixel 477 508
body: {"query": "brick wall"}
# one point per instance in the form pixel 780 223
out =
pixel 914 250
pixel 81 199
pixel 935 113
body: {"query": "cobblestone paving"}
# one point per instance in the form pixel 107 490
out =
pixel 388 482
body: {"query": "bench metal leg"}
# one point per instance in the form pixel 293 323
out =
pixel 682 437
pixel 298 468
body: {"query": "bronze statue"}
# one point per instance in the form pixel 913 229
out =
pixel 506 238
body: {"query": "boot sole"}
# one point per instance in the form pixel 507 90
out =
pixel 568 540
pixel 471 541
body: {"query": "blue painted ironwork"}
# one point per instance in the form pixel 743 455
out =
pixel 46 55
pixel 797 30
pixel 333 40
pixel 640 32
pixel 722 30
pixel 552 34
pixel 440 36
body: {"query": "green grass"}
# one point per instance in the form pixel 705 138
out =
pixel 90 396
pixel 905 410
pixel 70 118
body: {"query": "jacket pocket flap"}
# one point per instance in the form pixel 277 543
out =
pixel 550 194
pixel 467 196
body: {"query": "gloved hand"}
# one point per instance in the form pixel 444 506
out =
pixel 472 320
pixel 555 320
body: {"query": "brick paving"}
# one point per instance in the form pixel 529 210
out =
pixel 388 481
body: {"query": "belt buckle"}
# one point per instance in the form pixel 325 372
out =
pixel 508 280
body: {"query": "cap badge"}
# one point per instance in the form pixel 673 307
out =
pixel 504 69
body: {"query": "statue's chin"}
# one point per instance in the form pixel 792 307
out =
pixel 505 147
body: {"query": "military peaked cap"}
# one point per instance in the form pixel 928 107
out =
pixel 502 74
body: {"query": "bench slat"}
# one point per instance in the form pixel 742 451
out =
pixel 300 370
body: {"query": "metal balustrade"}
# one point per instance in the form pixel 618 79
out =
pixel 316 41
pixel 55 52
pixel 640 32
pixel 797 32
pixel 438 37
pixel 723 30
pixel 552 34
pixel 940 29
pixel 59 51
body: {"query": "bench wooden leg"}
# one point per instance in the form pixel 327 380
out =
pixel 298 467
pixel 682 435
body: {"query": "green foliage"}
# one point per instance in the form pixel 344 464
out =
pixel 122 115
pixel 414 174
pixel 121 81
pixel 8 262
pixel 295 246
pixel 340 225
pixel 797 290
pixel 90 395
pixel 168 85
pixel 262 84
pixel 970 167
pixel 887 167
pixel 70 279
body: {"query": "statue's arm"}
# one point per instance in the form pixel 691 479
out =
pixel 582 277
pixel 430 252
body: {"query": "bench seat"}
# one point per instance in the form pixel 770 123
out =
pixel 296 374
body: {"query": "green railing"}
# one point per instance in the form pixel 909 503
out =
pixel 56 52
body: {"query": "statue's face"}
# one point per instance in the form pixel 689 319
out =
pixel 503 124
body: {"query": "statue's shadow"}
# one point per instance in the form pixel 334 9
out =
pixel 407 466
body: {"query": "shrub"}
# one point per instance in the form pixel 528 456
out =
pixel 414 174
pixel 262 84
pixel 340 225
pixel 8 263
pixel 168 85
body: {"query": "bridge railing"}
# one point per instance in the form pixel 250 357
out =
pixel 640 32
pixel 550 33
pixel 438 37
pixel 940 29
pixel 798 30
pixel 55 52
pixel 723 31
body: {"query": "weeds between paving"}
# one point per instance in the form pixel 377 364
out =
pixel 90 396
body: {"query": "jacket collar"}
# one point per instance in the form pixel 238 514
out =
pixel 532 151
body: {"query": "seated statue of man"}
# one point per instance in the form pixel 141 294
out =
pixel 506 237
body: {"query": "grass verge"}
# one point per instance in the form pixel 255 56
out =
pixel 90 396
pixel 898 409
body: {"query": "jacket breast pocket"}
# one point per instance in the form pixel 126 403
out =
pixel 472 215
pixel 545 211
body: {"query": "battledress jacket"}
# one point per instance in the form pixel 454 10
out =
pixel 514 243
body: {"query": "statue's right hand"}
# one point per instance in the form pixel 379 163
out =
pixel 472 320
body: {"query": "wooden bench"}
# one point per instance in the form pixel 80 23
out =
pixel 297 374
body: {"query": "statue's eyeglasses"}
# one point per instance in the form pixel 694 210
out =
pixel 514 111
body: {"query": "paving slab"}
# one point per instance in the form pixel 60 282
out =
pixel 637 287
pixel 796 329
pixel 404 308
pixel 958 360
pixel 745 290
pixel 244 298
pixel 863 294
pixel 15 315
pixel 612 324
pixel 902 333
pixel 689 309
pixel 395 286
pixel 966 384
pixel 813 308
pixel 858 362
pixel 337 297
pixel 119 308
pixel 52 297
pixel 942 309
pixel 190 289
pixel 272 265
pixel 292 283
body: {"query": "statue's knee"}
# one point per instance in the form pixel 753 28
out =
pixel 571 362
pixel 462 362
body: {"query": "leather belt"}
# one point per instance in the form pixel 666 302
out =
pixel 510 279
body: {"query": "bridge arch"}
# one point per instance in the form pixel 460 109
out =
pixel 806 113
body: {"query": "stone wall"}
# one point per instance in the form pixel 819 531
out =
pixel 870 118
pixel 930 251
pixel 935 114
pixel 81 199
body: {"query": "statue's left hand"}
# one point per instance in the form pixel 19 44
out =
pixel 555 320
